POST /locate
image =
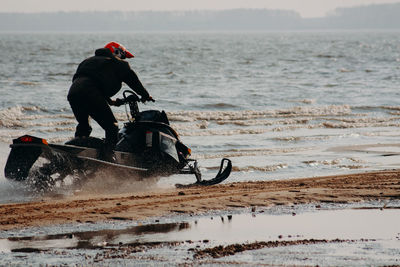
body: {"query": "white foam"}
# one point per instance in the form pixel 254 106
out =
pixel 269 168
pixel 330 110
pixel 251 152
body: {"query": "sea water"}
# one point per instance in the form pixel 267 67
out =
pixel 279 104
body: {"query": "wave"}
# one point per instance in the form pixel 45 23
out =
pixel 219 106
pixel 343 163
pixel 304 101
pixel 221 123
pixel 330 110
pixel 254 131
pixel 252 122
pixel 18 115
pixel 344 70
pixel 223 132
pixel 345 125
pixel 10 115
pixel 57 74
pixel 26 83
pixel 397 108
pixel 269 168
pixel 301 138
pixel 329 56
pixel 251 152
pixel 60 129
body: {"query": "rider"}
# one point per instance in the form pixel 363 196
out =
pixel 96 80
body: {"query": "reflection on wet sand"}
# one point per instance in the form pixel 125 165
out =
pixel 90 239
pixel 221 236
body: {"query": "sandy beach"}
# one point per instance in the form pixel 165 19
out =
pixel 87 208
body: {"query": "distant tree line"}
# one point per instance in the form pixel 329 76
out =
pixel 384 16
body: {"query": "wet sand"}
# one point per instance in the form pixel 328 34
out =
pixel 86 208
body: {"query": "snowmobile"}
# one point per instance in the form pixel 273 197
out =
pixel 147 147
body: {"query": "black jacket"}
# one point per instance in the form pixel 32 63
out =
pixel 108 72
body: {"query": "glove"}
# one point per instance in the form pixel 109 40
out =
pixel 147 98
pixel 118 102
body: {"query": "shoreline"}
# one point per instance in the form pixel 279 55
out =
pixel 86 208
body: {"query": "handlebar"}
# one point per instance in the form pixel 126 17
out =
pixel 131 98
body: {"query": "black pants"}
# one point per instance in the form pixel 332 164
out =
pixel 87 100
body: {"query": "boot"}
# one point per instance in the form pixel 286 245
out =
pixel 106 153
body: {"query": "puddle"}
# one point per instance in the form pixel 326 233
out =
pixel 91 239
pixel 364 229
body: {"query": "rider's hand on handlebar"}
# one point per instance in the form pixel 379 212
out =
pixel 149 98
pixel 118 102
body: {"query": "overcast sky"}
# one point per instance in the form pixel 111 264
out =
pixel 306 8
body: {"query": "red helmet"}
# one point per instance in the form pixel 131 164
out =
pixel 119 50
